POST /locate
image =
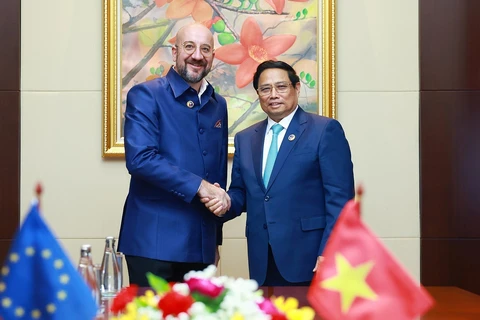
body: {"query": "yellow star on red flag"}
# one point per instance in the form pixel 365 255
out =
pixel 372 286
pixel 350 282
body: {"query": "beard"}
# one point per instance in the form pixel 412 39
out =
pixel 191 77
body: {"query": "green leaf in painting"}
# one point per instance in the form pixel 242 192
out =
pixel 219 26
pixel 225 38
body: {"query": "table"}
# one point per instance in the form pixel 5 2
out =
pixel 452 303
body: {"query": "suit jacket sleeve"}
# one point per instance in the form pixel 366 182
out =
pixel 236 191
pixel 223 169
pixel 141 152
pixel 337 174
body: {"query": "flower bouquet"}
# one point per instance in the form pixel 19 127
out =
pixel 205 297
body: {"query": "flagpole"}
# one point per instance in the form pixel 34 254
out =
pixel 38 193
pixel 358 197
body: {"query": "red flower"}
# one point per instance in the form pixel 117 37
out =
pixel 125 296
pixel 174 303
pixel 252 50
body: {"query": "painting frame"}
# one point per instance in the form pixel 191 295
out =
pixel 113 146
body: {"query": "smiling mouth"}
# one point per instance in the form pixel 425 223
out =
pixel 275 104
pixel 196 66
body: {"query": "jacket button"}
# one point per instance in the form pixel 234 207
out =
pixel 267 198
pixel 204 152
pixel 264 226
pixel 206 175
pixel 201 130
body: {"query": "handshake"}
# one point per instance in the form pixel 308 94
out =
pixel 215 198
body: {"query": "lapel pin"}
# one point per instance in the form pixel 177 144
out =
pixel 291 137
pixel 190 104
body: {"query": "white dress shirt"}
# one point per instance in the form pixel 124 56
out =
pixel 285 122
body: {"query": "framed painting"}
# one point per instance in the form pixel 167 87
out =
pixel 139 35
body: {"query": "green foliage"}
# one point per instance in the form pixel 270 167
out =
pixel 306 78
pixel 155 30
pixel 140 302
pixel 157 283
pixel 300 15
pixel 225 38
pixel 212 304
pixel 219 26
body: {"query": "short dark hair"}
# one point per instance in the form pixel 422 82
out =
pixel 271 64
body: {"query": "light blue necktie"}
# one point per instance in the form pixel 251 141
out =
pixel 272 153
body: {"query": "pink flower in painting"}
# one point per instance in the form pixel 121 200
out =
pixel 252 50
pixel 178 9
pixel 277 5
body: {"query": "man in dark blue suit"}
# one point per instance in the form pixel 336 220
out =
pixel 176 141
pixel 292 173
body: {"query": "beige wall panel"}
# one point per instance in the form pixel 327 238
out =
pixel 234 258
pixel 382 129
pixel 407 252
pixel 235 229
pixel 61 45
pixel 377 45
pixel 61 147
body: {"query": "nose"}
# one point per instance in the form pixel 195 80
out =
pixel 273 93
pixel 197 54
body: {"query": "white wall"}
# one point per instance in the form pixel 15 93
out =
pixel 61 122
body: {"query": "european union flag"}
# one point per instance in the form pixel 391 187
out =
pixel 38 281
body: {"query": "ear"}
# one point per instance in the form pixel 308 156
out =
pixel 174 53
pixel 297 87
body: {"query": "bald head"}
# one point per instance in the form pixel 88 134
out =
pixel 194 31
pixel 193 53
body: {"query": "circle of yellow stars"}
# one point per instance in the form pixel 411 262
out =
pixel 57 264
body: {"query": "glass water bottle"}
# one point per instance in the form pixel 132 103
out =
pixel 110 277
pixel 85 268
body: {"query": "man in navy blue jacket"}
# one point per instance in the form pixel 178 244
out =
pixel 176 143
pixel 293 202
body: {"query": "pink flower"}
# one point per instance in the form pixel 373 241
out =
pixel 204 286
pixel 269 308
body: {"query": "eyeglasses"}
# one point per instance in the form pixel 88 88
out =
pixel 190 47
pixel 280 87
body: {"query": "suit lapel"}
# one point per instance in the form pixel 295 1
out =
pixel 295 129
pixel 257 150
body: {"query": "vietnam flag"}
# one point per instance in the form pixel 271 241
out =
pixel 360 279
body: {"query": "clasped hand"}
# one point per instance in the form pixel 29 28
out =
pixel 214 198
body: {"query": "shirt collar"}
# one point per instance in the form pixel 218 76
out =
pixel 285 122
pixel 179 85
